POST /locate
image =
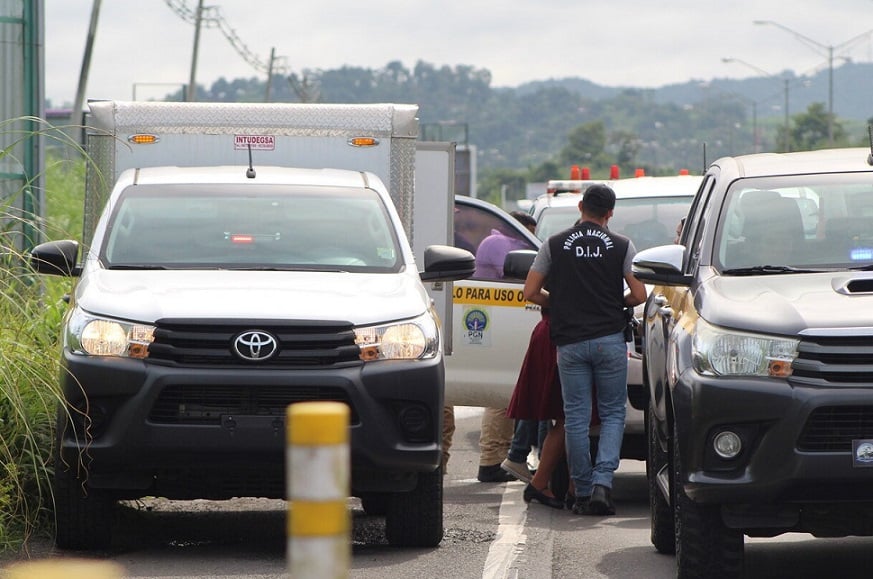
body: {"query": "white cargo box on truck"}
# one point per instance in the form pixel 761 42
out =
pixel 281 134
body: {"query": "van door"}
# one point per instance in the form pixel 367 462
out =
pixel 432 218
pixel 491 322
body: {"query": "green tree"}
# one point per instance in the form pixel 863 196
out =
pixel 546 171
pixel 809 130
pixel 586 145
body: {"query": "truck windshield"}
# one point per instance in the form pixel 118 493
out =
pixel 647 221
pixel 255 227
pixel 802 222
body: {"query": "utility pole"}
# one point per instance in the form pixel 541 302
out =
pixel 787 139
pixel 192 80
pixel 270 74
pixel 86 65
pixel 825 50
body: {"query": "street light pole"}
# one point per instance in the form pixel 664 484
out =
pixel 825 50
pixel 787 139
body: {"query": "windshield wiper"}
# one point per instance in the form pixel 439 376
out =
pixel 769 270
pixel 136 266
pixel 868 267
pixel 317 268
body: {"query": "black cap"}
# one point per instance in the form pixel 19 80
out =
pixel 600 197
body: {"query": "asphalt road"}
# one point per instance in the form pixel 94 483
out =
pixel 490 533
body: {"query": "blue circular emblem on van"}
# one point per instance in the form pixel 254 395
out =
pixel 476 320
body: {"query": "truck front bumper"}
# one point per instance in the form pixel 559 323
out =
pixel 797 441
pixel 143 429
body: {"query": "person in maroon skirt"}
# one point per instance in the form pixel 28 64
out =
pixel 537 396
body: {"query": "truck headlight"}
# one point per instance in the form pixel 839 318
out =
pixel 414 339
pixel 721 352
pixel 94 336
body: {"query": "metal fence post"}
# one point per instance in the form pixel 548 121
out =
pixel 317 475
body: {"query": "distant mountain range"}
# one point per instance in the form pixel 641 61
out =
pixel 852 90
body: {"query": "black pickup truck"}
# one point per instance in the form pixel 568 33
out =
pixel 758 358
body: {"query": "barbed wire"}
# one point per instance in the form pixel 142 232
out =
pixel 211 17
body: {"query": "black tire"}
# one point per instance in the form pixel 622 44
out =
pixel 83 516
pixel 705 547
pixel 375 505
pixel 415 518
pixel 663 533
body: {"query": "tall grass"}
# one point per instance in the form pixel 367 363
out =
pixel 31 310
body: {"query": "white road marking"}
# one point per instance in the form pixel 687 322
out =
pixel 511 538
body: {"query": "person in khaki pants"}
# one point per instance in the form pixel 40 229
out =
pixel 497 430
pixel 495 436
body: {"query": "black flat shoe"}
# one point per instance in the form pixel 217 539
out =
pixel 532 494
pixel 570 500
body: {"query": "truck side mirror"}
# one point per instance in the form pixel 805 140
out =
pixel 447 263
pixel 661 265
pixel 517 263
pixel 56 258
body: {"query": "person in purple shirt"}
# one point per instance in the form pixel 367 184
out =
pixel 493 249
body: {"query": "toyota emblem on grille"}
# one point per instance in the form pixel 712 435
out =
pixel 255 346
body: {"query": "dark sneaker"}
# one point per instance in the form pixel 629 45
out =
pixel 494 473
pixel 601 501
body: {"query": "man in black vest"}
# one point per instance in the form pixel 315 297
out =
pixel 586 268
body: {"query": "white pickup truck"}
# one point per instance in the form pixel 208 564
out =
pixel 212 296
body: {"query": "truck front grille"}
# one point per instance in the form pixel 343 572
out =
pixel 833 428
pixel 199 343
pixel 834 361
pixel 206 404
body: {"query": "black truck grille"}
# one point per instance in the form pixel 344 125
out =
pixel 835 362
pixel 207 404
pixel 833 428
pixel 199 343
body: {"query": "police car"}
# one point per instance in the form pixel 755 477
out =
pixel 492 323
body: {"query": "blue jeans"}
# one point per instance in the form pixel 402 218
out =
pixel 601 362
pixel 528 432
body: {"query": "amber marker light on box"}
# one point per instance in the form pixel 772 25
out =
pixel 143 139
pixel 363 141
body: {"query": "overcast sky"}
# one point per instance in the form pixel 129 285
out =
pixel 142 44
